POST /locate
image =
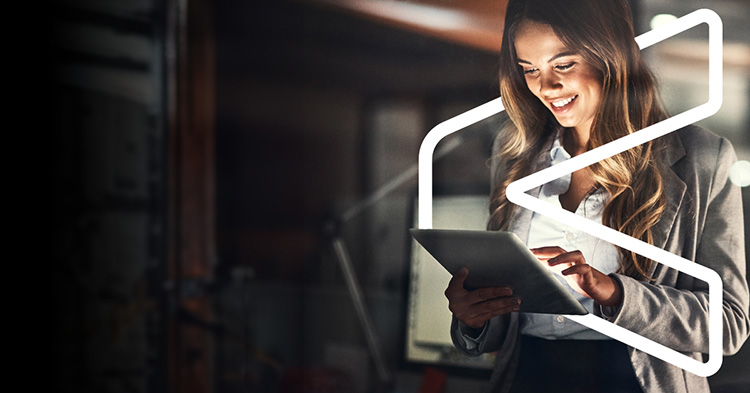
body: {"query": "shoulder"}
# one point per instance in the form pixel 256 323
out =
pixel 696 147
pixel 705 162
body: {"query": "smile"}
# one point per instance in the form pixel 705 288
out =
pixel 561 103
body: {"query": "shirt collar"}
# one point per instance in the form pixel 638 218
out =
pixel 557 154
pixel 560 185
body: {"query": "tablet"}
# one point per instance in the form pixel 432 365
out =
pixel 500 259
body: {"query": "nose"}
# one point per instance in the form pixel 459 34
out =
pixel 549 83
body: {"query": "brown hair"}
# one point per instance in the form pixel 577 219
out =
pixel 601 31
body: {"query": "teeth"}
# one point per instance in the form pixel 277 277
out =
pixel 561 103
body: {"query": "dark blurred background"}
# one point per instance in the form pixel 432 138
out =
pixel 208 154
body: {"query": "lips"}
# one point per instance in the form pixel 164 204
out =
pixel 563 103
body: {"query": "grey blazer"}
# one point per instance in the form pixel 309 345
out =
pixel 703 222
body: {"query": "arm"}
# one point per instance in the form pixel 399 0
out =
pixel 476 342
pixel 676 315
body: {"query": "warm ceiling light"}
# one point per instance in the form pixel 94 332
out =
pixel 739 174
pixel 661 20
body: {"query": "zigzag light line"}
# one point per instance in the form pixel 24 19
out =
pixel 516 193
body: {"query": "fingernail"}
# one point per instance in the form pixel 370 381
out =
pixel 517 301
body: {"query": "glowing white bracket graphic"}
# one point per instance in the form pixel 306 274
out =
pixel 516 193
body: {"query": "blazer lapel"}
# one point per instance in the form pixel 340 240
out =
pixel 675 190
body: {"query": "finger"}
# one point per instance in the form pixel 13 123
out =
pixel 472 310
pixel 588 281
pixel 581 270
pixel 547 252
pixel 458 279
pixel 489 293
pixel 493 307
pixel 575 257
pixel 462 302
pixel 496 309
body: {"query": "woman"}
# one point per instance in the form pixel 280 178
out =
pixel 572 79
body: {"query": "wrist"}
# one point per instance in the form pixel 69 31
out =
pixel 470 331
pixel 615 295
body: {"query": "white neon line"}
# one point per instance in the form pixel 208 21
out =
pixel 627 142
pixel 516 194
pixel 427 149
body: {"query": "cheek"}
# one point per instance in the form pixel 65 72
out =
pixel 596 93
pixel 594 85
pixel 533 86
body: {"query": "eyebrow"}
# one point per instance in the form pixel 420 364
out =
pixel 553 58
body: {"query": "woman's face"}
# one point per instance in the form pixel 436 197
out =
pixel 568 86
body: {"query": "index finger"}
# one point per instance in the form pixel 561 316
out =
pixel 547 252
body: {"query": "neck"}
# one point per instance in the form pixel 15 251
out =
pixel 575 141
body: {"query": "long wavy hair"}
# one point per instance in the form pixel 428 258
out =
pixel 601 31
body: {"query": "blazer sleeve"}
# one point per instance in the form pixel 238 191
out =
pixel 489 339
pixel 677 316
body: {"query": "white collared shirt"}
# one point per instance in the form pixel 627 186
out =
pixel 547 232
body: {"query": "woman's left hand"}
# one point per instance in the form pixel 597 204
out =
pixel 581 276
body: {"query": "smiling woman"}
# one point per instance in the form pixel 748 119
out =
pixel 554 52
pixel 562 80
pixel 572 79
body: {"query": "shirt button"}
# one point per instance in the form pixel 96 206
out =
pixel 560 318
pixel 570 237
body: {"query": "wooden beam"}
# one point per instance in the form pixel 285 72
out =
pixel 476 23
pixel 191 112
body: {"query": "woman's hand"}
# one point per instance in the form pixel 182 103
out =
pixel 581 276
pixel 475 308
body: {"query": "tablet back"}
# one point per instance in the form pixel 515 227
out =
pixel 500 259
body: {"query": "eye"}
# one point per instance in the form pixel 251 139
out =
pixel 563 67
pixel 530 71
